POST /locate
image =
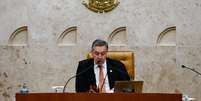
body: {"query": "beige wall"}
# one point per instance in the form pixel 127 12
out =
pixel 163 34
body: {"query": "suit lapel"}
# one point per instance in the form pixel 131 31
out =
pixel 110 76
pixel 92 74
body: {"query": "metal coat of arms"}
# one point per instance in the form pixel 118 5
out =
pixel 101 6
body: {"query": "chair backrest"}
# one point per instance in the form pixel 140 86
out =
pixel 126 57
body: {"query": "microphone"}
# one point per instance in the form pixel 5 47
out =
pixel 192 69
pixel 80 73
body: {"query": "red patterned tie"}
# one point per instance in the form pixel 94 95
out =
pixel 101 80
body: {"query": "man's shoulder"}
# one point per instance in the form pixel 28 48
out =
pixel 113 61
pixel 86 61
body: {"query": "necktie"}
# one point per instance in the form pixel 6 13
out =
pixel 101 80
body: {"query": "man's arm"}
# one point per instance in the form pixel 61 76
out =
pixel 124 74
pixel 80 84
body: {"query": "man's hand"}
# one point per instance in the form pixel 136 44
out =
pixel 93 89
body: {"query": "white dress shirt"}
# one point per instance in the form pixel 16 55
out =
pixel 106 84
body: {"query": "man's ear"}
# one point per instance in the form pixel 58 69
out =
pixel 91 50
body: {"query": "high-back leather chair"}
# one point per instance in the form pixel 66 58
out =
pixel 126 57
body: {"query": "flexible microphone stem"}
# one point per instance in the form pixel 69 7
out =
pixel 80 73
pixel 191 69
pixel 67 82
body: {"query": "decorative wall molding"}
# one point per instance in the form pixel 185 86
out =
pixel 118 37
pixel 167 37
pixel 19 37
pixel 68 37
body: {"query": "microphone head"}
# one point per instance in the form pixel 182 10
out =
pixel 183 66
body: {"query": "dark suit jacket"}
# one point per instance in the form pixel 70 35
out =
pixel 116 71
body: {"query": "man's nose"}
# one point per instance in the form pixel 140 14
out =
pixel 99 56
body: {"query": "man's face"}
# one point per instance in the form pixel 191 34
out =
pixel 99 54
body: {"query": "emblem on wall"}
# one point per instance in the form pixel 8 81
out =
pixel 100 6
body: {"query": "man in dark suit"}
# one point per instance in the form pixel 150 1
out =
pixel 99 72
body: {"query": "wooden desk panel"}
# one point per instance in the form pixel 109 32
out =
pixel 99 97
